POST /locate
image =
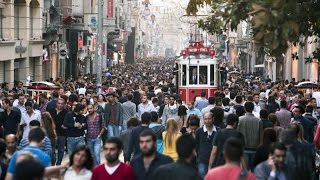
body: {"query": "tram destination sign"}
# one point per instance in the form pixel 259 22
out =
pixel 198 50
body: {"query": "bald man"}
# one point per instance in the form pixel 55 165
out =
pixel 11 141
pixel 204 138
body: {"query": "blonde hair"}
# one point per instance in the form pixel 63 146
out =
pixel 171 130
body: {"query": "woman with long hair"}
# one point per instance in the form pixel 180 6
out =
pixel 276 125
pixel 81 164
pixel 85 102
pixel 102 100
pixel 47 123
pixel 297 126
pixel 170 136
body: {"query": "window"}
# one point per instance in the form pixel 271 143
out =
pixel 16 21
pixel 16 69
pixel 203 74
pixel 1 23
pixel 184 75
pixel 31 20
pixel 193 75
pixel 212 74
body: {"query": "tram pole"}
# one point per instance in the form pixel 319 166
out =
pixel 98 53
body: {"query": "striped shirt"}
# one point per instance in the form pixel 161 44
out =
pixel 45 146
pixel 95 126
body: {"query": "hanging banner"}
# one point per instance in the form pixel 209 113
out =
pixel 103 48
pixel 110 9
pixel 80 41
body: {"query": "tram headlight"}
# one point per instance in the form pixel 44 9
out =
pixel 212 52
pixel 183 52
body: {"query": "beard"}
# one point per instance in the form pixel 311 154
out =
pixel 112 159
pixel 148 152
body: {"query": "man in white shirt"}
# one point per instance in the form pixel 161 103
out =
pixel 28 116
pixel 19 103
pixel 257 106
pixel 170 111
pixel 144 106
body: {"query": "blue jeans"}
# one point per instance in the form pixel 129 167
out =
pixel 73 142
pixel 53 154
pixel 95 147
pixel 61 142
pixel 124 126
pixel 249 155
pixel 113 130
pixel 202 169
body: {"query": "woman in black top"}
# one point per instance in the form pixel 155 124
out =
pixel 262 154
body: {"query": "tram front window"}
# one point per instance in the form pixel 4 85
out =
pixel 203 74
pixel 193 75
pixel 184 75
pixel 212 74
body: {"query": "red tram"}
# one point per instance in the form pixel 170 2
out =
pixel 198 70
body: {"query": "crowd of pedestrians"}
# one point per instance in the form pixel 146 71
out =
pixel 270 131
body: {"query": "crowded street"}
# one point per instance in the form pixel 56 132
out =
pixel 140 115
pixel 159 90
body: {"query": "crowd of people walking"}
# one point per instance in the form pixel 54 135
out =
pixel 270 131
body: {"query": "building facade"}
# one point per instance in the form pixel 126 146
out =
pixel 21 40
pixel 243 53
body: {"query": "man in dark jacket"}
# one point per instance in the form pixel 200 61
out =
pixel 75 123
pixel 58 114
pixel 184 168
pixel 307 125
pixel 204 138
pixel 266 123
pixel 134 139
pixel 300 156
pixel 113 116
pixel 52 104
pixel 145 164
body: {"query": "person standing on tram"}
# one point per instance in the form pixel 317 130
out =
pixel 193 76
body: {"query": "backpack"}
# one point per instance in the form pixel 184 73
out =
pixel 158 131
